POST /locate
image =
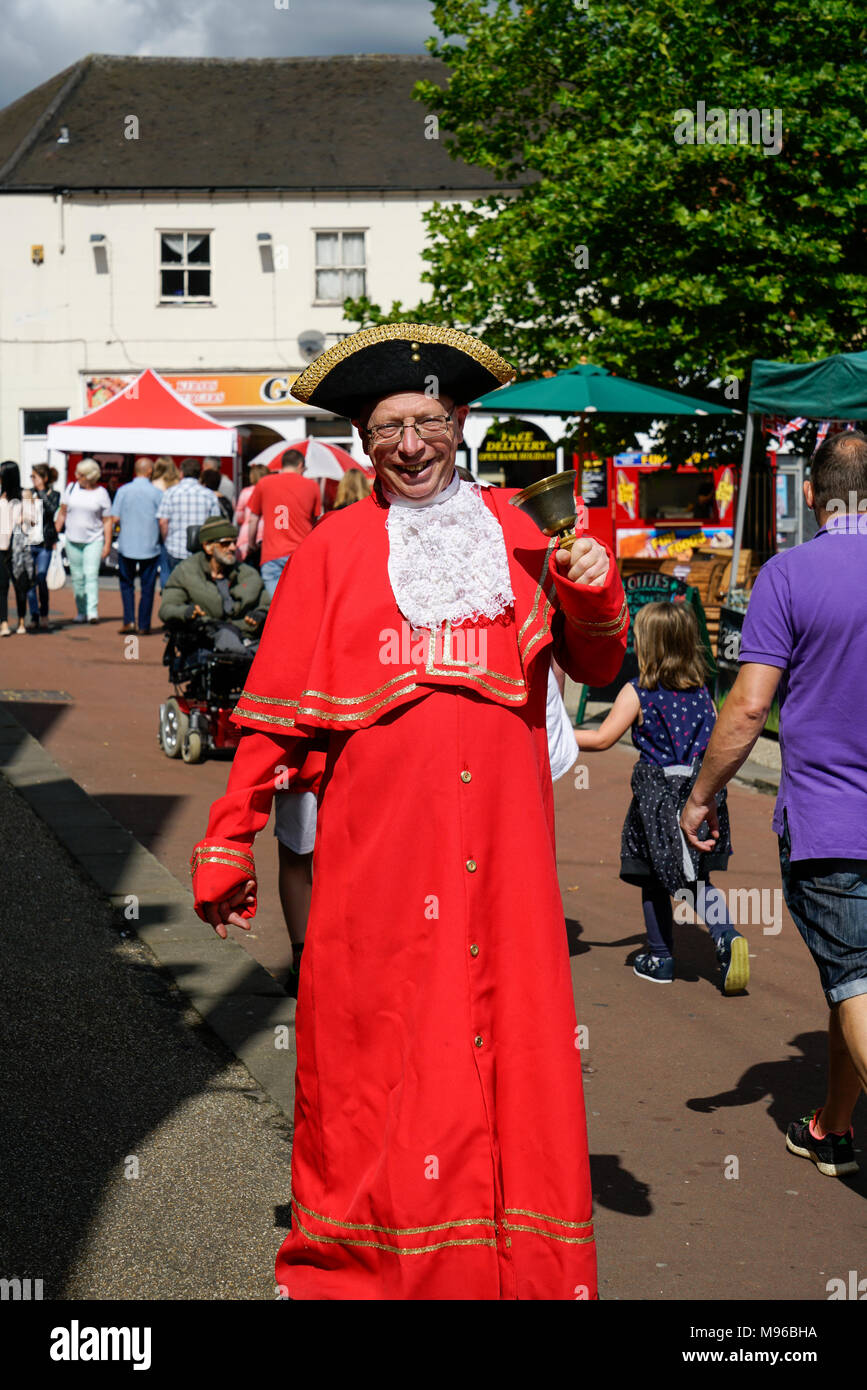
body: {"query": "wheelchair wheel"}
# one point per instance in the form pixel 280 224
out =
pixel 192 748
pixel 173 729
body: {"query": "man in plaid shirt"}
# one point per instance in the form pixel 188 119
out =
pixel 186 504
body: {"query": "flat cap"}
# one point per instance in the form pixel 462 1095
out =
pixel 217 528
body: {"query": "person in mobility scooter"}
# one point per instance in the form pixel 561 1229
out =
pixel 213 609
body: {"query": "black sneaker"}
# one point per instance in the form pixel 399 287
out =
pixel 733 956
pixel 659 969
pixel 834 1155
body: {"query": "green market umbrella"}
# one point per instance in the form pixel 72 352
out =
pixel 588 389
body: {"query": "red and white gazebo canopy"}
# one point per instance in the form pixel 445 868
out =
pixel 147 418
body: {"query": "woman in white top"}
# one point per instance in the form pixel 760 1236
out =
pixel 85 516
pixel 15 511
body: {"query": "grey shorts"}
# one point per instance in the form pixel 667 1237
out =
pixel 828 902
pixel 295 820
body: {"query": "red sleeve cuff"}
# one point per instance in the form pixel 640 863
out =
pixel 218 868
pixel 593 610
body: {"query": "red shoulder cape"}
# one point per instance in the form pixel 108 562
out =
pixel 337 653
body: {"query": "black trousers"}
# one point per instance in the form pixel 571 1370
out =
pixel 20 585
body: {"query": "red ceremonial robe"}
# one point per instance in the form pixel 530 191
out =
pixel 440 1146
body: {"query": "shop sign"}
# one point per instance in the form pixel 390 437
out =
pixel 640 460
pixel 516 442
pixel 242 390
pixel 594 482
pixel 696 460
pixel 660 543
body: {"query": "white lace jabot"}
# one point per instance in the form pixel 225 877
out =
pixel 447 557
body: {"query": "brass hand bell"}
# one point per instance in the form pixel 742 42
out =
pixel 552 504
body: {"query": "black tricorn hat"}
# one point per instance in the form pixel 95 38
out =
pixel 397 357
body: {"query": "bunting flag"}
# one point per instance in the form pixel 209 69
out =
pixel 838 428
pixel 782 431
pixel 822 432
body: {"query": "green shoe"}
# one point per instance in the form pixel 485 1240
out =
pixel 733 956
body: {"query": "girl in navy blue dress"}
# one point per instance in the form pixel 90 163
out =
pixel 672 716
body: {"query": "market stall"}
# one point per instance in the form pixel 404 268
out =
pixel 832 389
pixel 581 392
pixel 643 508
pixel 146 418
pixel 655 517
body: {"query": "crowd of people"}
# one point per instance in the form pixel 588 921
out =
pixel 153 521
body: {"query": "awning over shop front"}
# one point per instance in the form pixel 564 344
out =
pixel 148 417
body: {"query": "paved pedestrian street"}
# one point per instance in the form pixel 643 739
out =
pixel 688 1093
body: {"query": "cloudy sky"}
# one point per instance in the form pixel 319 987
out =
pixel 41 37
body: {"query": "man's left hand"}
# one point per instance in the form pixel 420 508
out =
pixel 250 620
pixel 586 563
pixel 694 812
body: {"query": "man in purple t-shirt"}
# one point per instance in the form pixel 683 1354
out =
pixel 804 632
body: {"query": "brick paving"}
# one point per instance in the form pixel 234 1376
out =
pixel 688 1093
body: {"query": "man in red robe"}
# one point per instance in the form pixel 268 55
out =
pixel 440 1146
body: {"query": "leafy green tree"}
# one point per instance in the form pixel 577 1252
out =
pixel 676 263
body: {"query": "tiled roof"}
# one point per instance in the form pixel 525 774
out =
pixel 214 123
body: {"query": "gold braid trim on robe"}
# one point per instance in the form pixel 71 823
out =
pixel 324 654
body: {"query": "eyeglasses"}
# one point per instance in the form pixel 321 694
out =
pixel 434 427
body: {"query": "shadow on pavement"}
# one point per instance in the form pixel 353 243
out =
pixel 99 1051
pixel 146 814
pixel 574 932
pixel 793 1086
pixel 618 1189
pixel 38 717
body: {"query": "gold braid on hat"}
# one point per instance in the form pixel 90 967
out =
pixel 315 374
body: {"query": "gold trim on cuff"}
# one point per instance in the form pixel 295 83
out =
pixel 212 847
pixel 609 627
pixel 196 864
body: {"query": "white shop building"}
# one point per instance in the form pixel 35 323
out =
pixel 207 218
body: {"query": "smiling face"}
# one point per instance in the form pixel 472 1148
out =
pixel 410 466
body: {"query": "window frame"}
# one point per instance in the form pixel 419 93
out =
pixel 342 268
pixel 184 266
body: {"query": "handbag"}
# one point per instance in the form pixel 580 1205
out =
pixel 23 567
pixel 55 577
